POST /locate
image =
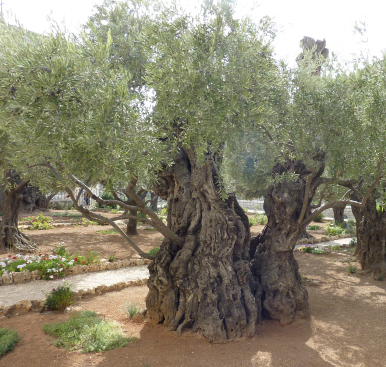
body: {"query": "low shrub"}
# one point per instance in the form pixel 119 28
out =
pixel 131 309
pixel 41 222
pixel 353 242
pixel 317 251
pixel 108 231
pixel 314 228
pixel 335 248
pixel 154 251
pixel 334 230
pixel 87 332
pixel 261 218
pixel 60 298
pixel 352 269
pixel 8 339
pixel 320 218
pixel 111 258
pixel 307 248
pixel 351 221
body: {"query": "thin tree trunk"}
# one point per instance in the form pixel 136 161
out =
pixel 339 216
pixel 371 245
pixel 206 283
pixel 10 235
pixel 153 202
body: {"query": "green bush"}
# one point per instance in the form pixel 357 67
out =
pixel 353 242
pixel 107 196
pixel 335 248
pixel 319 218
pixel 351 221
pixel 111 258
pixel 164 210
pixel 41 222
pixel 87 332
pixel 8 339
pixel 261 218
pixel 313 228
pixel 352 269
pixel 60 298
pixel 154 251
pixel 108 231
pixel 317 251
pixel 307 248
pixel 334 230
pixel 131 310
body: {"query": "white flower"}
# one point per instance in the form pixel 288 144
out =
pixel 48 270
pixel 3 264
pixel 29 262
pixel 21 266
pixel 51 276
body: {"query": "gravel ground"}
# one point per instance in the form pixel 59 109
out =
pixel 12 293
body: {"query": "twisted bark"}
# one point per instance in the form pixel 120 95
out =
pixel 205 283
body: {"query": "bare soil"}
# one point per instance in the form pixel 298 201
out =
pixel 346 327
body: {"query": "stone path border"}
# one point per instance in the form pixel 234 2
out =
pixel 25 297
pixel 27 276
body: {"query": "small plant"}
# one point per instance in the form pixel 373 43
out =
pixel 307 248
pixel 334 230
pixel 154 251
pixel 251 221
pixel 317 251
pixel 131 309
pixel 60 298
pixel 245 210
pixel 92 257
pixel 352 269
pixel 87 332
pixel 111 258
pixel 314 228
pixel 148 228
pixel 8 339
pixel 164 210
pixel 60 250
pixel 319 218
pixel 108 231
pixel 261 218
pixel 381 277
pixel 86 222
pixel 335 248
pixel 66 214
pixel 351 221
pixel 353 242
pixel 41 222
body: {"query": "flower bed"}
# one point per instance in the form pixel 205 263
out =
pixel 20 268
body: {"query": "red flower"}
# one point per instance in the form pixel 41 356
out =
pixel 14 258
pixel 40 254
pixel 54 253
pixel 47 255
pixel 9 255
pixel 76 259
pixel 53 289
pixel 83 262
pixel 60 265
pixel 44 258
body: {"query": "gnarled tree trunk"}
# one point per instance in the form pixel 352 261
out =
pixel 10 235
pixel 274 265
pixel 206 283
pixel 339 216
pixel 371 232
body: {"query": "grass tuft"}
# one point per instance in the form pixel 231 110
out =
pixel 87 332
pixel 8 339
pixel 108 231
pixel 131 309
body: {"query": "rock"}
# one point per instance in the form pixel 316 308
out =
pixel 37 305
pixel 121 285
pixel 105 288
pixel 138 317
pixel 35 275
pixel 22 306
pixel 102 266
pixel 91 291
pixel 18 277
pixel 7 278
pixel 98 289
pixel 92 267
pixel 140 262
pixel 77 269
pixel 27 275
pixel 125 262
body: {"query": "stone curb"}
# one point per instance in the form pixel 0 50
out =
pixel 38 305
pixel 27 276
pixel 323 239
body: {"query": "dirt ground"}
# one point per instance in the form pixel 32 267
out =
pixel 347 325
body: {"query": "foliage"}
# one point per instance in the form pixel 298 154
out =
pixel 332 230
pixel 60 298
pixel 164 211
pixel 131 309
pixel 66 214
pixel 8 339
pixel 41 222
pixel 87 332
pixel 108 231
pixel 314 228
pixel 353 242
pixel 261 218
pixel 86 222
pixel 319 218
pixel 111 258
pixel 92 257
pixel 317 251
pixel 307 248
pixel 154 251
pixel 50 266
pixel 335 248
pixel 107 196
pixel 352 269
pixel 351 222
